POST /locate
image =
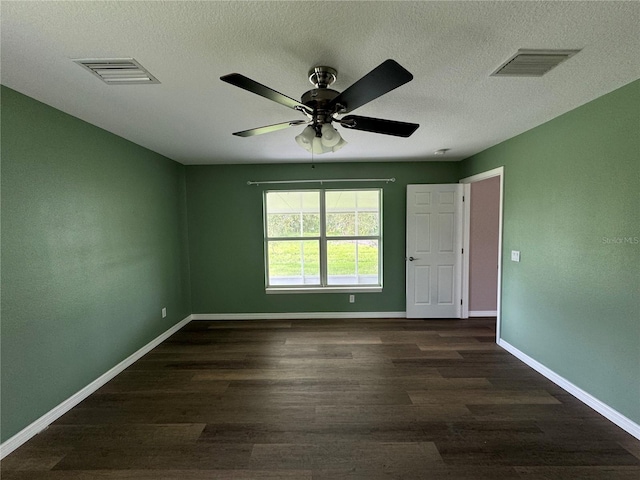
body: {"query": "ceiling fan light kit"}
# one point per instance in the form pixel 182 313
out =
pixel 324 139
pixel 329 141
pixel 330 136
pixel 322 106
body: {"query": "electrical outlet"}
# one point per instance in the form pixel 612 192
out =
pixel 164 312
pixel 515 255
pixel 352 299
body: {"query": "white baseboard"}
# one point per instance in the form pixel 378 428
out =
pixel 52 415
pixel 483 313
pixel 295 316
pixel 602 408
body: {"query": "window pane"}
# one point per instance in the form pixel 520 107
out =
pixel 368 215
pixel 293 214
pixel 341 217
pixel 353 213
pixel 293 225
pixel 368 199
pixel 368 224
pixel 341 224
pixel 294 262
pixel 352 262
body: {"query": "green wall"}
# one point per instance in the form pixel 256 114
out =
pixel 226 236
pixel 571 207
pixel 93 246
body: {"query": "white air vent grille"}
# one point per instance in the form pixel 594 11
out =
pixel 118 71
pixel 532 63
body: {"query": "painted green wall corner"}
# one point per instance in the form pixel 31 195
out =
pixel 572 207
pixel 93 246
pixel 226 236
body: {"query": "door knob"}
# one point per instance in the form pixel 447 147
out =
pixel 411 259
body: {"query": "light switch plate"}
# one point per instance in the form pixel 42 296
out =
pixel 515 255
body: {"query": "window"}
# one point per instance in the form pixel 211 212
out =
pixel 323 239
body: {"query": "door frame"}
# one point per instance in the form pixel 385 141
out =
pixel 496 172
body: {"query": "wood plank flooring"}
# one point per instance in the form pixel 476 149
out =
pixel 329 399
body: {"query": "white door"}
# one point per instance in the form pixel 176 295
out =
pixel 434 251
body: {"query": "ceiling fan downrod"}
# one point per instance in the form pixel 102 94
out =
pixel 322 77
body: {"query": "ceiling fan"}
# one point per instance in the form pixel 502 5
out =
pixel 323 106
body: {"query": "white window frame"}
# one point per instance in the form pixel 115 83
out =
pixel 322 239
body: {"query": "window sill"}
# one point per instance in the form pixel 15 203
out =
pixel 346 289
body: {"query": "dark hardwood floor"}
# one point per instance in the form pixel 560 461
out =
pixel 329 399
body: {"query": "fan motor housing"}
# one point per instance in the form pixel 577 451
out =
pixel 317 98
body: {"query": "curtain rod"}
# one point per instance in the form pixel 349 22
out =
pixel 328 180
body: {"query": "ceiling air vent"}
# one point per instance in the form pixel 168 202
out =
pixel 532 63
pixel 118 71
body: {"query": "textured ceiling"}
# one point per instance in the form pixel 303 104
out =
pixel 450 47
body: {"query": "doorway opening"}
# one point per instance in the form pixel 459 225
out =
pixel 482 243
